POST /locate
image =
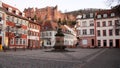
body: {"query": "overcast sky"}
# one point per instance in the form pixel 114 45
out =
pixel 63 5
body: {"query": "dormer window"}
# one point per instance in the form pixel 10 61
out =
pixel 9 9
pixel 104 15
pixel 98 16
pixel 91 15
pixel 17 12
pixel 112 14
pixel 23 14
pixel 84 15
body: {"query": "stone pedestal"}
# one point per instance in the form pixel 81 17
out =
pixel 59 44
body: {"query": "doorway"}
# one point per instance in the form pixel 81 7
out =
pixel 92 42
pixel 117 43
pixel 104 43
pixel 111 43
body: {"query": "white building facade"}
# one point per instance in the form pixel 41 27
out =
pixel 70 37
pixel 86 30
pixel 108 33
pixel 103 30
pixel 49 30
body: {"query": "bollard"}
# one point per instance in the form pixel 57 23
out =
pixel 15 49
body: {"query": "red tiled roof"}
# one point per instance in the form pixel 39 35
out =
pixel 6 6
pixel 51 25
pixel 104 12
pixel 54 25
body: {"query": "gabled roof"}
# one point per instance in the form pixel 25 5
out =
pixel 104 12
pixel 53 26
pixel 49 25
pixel 5 8
pixel 108 12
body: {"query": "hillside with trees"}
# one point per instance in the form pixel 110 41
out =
pixel 79 12
pixel 82 11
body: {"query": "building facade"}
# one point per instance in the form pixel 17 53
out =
pixel 33 35
pixel 100 29
pixel 17 31
pixel 49 30
pixel 70 39
pixel 2 24
pixel 86 30
pixel 107 30
pixel 14 28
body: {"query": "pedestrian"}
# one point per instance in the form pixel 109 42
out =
pixel 77 44
pixel 42 44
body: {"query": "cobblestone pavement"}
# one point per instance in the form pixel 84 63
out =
pixel 44 58
pixel 109 59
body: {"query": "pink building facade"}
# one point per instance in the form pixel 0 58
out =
pixel 98 29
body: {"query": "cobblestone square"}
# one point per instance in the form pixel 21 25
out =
pixel 43 58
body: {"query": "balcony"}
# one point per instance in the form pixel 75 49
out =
pixel 17 35
pixel 18 25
